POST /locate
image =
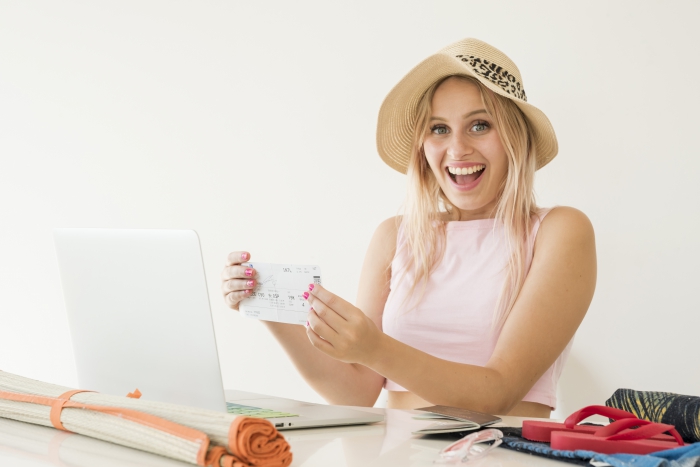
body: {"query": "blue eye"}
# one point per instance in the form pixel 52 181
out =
pixel 480 126
pixel 439 130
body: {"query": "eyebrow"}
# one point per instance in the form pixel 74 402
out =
pixel 473 112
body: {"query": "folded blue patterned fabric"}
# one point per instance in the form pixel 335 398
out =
pixel 686 456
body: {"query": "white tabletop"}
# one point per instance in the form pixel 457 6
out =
pixel 385 444
pixel 390 444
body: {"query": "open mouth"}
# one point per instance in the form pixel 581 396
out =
pixel 465 175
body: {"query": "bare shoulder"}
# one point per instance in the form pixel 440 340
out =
pixel 565 225
pixel 389 226
pixel 566 242
pixel 384 239
pixel 376 270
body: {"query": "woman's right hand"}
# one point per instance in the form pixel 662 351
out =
pixel 237 282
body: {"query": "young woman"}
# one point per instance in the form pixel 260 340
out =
pixel 472 297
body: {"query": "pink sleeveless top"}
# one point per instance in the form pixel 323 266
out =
pixel 452 321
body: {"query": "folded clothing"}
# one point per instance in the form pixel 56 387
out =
pixel 678 410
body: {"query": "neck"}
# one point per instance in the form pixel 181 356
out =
pixel 486 212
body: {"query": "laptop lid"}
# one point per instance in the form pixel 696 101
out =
pixel 139 314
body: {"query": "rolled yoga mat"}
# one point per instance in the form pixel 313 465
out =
pixel 198 436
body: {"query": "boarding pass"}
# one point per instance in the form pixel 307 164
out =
pixel 278 295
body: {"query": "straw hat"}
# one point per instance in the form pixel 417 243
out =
pixel 470 57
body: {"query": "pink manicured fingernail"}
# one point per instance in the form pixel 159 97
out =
pixel 248 291
pixel 248 272
pixel 305 295
pixel 311 287
pixel 250 283
pixel 311 308
pixel 244 256
pixel 307 324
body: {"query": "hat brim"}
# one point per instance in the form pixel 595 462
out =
pixel 397 115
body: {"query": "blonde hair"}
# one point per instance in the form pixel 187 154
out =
pixel 423 220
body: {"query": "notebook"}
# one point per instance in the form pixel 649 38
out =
pixel 139 317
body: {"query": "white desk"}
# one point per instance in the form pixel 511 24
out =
pixel 389 444
pixel 386 444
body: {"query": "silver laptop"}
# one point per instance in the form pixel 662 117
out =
pixel 139 317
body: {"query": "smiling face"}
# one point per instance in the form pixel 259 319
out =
pixel 464 150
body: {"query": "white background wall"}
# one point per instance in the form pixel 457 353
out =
pixel 253 123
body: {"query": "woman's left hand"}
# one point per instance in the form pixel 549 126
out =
pixel 341 330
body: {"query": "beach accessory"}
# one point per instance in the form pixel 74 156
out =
pixel 470 447
pixel 468 57
pixel 617 438
pixel 536 430
pixel 678 457
pixel 197 436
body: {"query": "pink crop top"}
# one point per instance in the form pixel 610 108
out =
pixel 452 321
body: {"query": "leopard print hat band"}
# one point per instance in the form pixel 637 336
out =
pixel 471 57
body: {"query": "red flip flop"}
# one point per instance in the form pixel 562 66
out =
pixel 542 431
pixel 618 438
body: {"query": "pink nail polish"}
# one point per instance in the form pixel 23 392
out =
pixel 244 256
pixel 250 283
pixel 311 308
pixel 311 287
pixel 248 291
pixel 305 295
pixel 307 324
pixel 248 272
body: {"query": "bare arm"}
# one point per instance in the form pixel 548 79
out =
pixel 336 381
pixel 549 309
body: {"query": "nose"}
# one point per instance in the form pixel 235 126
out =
pixel 459 147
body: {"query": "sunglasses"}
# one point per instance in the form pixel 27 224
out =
pixel 471 447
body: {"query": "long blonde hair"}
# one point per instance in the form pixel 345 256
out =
pixel 426 203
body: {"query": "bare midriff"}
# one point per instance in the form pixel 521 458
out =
pixel 408 400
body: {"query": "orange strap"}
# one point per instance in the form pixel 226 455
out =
pixel 57 404
pixel 57 407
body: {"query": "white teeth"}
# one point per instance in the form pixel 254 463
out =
pixel 465 170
